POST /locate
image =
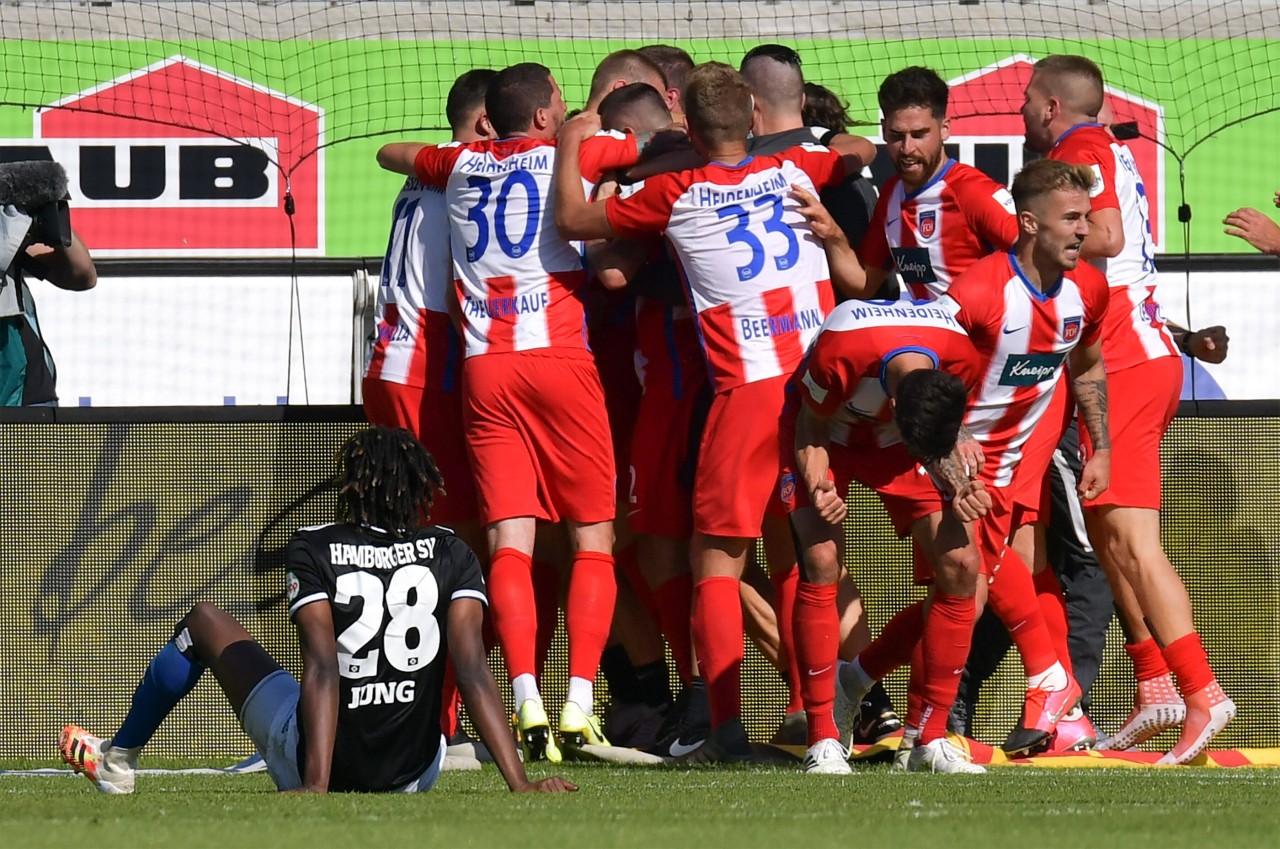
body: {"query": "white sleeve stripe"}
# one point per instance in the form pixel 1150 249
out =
pixel 305 600
pixel 476 594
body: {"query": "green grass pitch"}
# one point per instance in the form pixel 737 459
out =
pixel 771 808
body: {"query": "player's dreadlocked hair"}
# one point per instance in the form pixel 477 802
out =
pixel 386 479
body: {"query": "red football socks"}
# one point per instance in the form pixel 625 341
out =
pixel 717 638
pixel 674 598
pixel 944 651
pixel 1189 663
pixel 511 602
pixel 784 604
pixel 589 613
pixel 1012 596
pixel 817 642
pixel 1053 607
pixel 1148 660
pixel 893 648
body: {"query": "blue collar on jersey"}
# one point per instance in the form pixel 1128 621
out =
pixel 1072 129
pixel 935 178
pixel 727 165
pixel 908 349
pixel 1031 287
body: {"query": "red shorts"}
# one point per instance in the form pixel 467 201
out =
pixel 1141 401
pixel 662 455
pixel 994 529
pixel 435 417
pixel 538 435
pixel 905 488
pixel 1031 477
pixel 615 358
pixel 738 465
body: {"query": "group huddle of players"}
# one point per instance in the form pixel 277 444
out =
pixel 639 340
pixel 690 348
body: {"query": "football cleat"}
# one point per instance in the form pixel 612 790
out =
pixel 876 718
pixel 1156 706
pixel 579 728
pixel 533 731
pixel 109 769
pixel 688 723
pixel 1208 712
pixel 1040 716
pixel 726 744
pixel 1075 733
pixel 827 757
pixel 941 755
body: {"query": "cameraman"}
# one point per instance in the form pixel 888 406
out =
pixel 27 373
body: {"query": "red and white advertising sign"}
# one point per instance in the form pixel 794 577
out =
pixel 182 159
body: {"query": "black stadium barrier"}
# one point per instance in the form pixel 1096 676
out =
pixel 120 519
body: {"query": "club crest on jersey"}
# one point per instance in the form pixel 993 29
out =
pixel 1071 328
pixel 928 223
pixel 787 489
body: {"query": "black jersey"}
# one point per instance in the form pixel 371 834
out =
pixel 390 600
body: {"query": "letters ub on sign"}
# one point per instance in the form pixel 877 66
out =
pixel 179 158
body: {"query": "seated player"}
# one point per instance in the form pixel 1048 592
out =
pixel 366 715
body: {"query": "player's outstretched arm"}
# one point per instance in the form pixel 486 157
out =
pixel 575 216
pixel 318 702
pixel 399 156
pixel 1209 344
pixel 847 273
pixel 484 705
pixel 1089 386
pixel 1255 228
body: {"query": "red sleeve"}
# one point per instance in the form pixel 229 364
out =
pixel 606 151
pixel 824 386
pixel 434 164
pixel 874 249
pixel 646 210
pixel 823 165
pixel 989 207
pixel 1097 154
pixel 1096 295
pixel 973 294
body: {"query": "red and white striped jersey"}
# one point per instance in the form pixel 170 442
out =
pixel 844 374
pixel 1134 331
pixel 934 233
pixel 518 282
pixel 416 343
pixel 1022 337
pixel 757 276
